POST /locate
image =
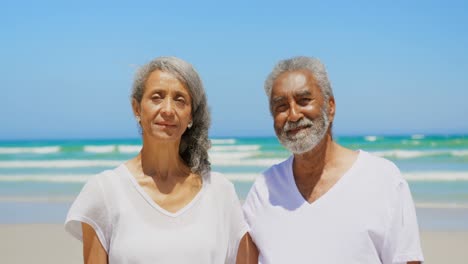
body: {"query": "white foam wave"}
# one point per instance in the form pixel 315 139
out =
pixel 34 150
pixel 417 136
pixel 409 154
pixel 129 148
pixel 245 163
pixel 99 149
pixel 448 205
pixel 242 177
pixel 416 176
pixel 37 199
pixel 74 178
pixel 236 148
pixel 223 141
pixel 232 155
pixel 403 154
pixel 370 138
pixel 460 153
pixel 436 176
pixel 60 163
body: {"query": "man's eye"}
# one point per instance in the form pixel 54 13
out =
pixel 281 108
pixel 304 101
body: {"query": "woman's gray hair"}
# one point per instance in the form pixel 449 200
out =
pixel 301 63
pixel 194 143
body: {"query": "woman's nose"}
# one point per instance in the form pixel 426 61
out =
pixel 167 107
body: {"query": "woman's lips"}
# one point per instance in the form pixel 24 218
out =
pixel 166 125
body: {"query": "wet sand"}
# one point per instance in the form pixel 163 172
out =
pixel 49 243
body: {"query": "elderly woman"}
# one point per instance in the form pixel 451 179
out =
pixel 164 205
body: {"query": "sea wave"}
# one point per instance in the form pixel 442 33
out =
pixel 99 149
pixel 460 153
pixel 129 148
pixel 73 178
pixel 235 148
pixel 371 138
pixel 446 205
pixel 227 162
pixel 38 199
pixel 436 176
pixel 223 141
pixel 218 156
pixel 60 163
pixel 33 150
pixel 417 136
pixel 241 177
pixel 411 154
pixel 220 159
pixel 113 148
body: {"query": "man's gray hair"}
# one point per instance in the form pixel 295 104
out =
pixel 301 63
pixel 194 143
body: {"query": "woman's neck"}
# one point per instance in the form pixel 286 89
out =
pixel 161 159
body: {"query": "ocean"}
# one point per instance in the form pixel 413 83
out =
pixel 39 179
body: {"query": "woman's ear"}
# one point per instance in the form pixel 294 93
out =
pixel 136 108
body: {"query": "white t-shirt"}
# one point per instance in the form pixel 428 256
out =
pixel 368 216
pixel 133 229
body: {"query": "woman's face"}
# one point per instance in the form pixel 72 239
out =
pixel 165 109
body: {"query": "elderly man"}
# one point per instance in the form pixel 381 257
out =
pixel 326 203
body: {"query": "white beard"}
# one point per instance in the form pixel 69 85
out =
pixel 307 138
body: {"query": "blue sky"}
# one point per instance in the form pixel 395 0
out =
pixel 396 67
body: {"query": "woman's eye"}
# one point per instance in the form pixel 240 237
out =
pixel 180 99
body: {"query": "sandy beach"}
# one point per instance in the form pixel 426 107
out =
pixel 49 243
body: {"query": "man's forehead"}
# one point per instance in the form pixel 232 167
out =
pixel 299 81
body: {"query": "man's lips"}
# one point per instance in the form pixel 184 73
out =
pixel 296 130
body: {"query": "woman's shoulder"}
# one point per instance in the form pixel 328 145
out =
pixel 105 178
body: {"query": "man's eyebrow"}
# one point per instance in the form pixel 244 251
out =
pixel 303 93
pixel 277 99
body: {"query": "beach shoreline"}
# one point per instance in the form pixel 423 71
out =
pixel 49 243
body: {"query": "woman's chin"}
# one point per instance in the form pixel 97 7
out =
pixel 165 136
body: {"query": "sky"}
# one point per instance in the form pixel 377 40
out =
pixel 396 67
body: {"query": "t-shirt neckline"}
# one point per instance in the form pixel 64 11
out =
pixel 327 194
pixel 155 205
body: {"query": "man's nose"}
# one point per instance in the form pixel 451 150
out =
pixel 295 113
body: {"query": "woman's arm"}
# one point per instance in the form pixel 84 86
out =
pixel 93 251
pixel 247 252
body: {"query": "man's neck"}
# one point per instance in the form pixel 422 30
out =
pixel 309 166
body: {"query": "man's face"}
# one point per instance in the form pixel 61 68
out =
pixel 299 111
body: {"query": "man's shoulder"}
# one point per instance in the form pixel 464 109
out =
pixel 380 168
pixel 377 162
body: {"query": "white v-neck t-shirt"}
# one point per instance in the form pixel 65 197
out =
pixel 368 216
pixel 133 229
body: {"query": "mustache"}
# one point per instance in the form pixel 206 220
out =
pixel 303 122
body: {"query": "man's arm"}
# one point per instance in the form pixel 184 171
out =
pixel 247 252
pixel 93 251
